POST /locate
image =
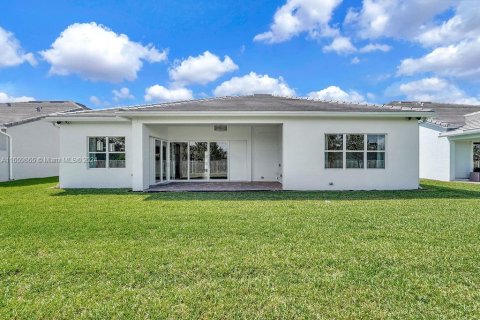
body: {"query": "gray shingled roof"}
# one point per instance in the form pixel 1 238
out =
pixel 14 113
pixel 250 103
pixel 448 115
pixel 472 121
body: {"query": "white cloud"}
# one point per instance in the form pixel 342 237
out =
pixel 337 94
pixel 254 83
pixel 201 69
pixel 395 18
pixel 96 53
pixel 465 24
pixel 433 89
pixel 122 94
pixel 11 52
pixel 355 60
pixel 341 45
pixel 95 100
pixel 460 60
pixel 297 16
pixel 4 97
pixel 159 93
pixel 375 47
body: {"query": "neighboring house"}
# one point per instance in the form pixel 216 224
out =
pixel 449 141
pixel 28 140
pixel 305 144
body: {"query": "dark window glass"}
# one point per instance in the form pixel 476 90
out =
pixel 97 160
pixel 116 144
pixel 334 160
pixel 355 160
pixel 376 142
pixel 116 160
pixel 355 142
pixel 96 144
pixel 334 142
pixel 376 160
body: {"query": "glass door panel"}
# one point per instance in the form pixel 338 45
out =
pixel 179 161
pixel 157 160
pixel 164 161
pixel 198 161
pixel 476 156
pixel 218 160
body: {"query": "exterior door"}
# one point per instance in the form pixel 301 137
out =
pixel 164 161
pixel 178 161
pixel 198 161
pixel 158 161
pixel 476 156
pixel 238 161
pixel 218 164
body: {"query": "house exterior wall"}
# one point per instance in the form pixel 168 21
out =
pixel 74 144
pixel 435 157
pixel 463 159
pixel 304 155
pixel 294 147
pixel 3 158
pixel 37 140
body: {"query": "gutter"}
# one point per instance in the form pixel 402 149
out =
pixel 460 133
pixel 412 114
pixel 122 115
pixel 10 155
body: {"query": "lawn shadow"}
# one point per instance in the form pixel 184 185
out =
pixel 430 190
pixel 28 182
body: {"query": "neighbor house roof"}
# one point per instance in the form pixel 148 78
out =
pixel 256 103
pixel 14 113
pixel 448 115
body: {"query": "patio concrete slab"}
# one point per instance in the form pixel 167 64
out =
pixel 215 186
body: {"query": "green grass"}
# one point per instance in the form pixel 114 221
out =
pixel 117 254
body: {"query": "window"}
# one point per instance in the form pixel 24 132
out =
pixel 376 151
pixel 334 151
pixel 103 151
pixel 352 151
pixel 355 151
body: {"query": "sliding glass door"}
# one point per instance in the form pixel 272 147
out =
pixel 196 160
pixel 218 160
pixel 158 162
pixel 178 161
pixel 476 156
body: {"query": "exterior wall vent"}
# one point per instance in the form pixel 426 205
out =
pixel 220 127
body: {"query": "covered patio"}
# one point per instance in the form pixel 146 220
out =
pixel 215 186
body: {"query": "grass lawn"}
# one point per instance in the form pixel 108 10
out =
pixel 117 254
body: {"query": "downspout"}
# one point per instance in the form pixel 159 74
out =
pixel 10 155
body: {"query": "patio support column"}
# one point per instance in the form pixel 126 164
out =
pixel 139 156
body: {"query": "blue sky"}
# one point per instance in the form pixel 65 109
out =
pixel 123 52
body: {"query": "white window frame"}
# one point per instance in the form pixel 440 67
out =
pixel 365 150
pixel 331 151
pixel 107 152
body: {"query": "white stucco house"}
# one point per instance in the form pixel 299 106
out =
pixel 300 144
pixel 449 140
pixel 29 144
